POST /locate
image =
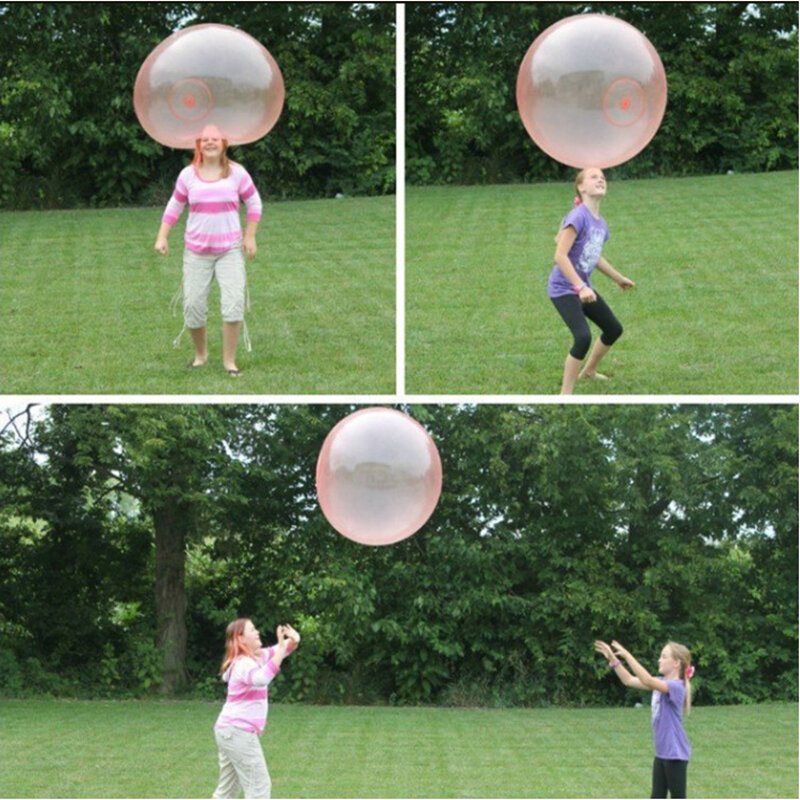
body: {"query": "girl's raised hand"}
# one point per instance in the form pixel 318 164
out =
pixel 619 649
pixel 604 649
pixel 292 634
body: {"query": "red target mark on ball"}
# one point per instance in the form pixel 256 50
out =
pixel 190 100
pixel 624 103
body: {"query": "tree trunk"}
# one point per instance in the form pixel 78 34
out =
pixel 171 522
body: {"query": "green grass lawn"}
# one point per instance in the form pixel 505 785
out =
pixel 84 303
pixel 55 749
pixel 715 310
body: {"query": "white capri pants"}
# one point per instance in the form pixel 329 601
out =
pixel 241 764
pixel 199 271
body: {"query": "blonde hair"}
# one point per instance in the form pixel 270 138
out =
pixel 578 199
pixel 681 654
pixel 578 181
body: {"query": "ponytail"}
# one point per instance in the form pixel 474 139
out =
pixel 687 682
pixel 681 653
pixel 578 181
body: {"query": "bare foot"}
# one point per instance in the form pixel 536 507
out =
pixel 593 376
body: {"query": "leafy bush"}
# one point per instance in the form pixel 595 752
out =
pixel 70 136
pixel 731 71
pixel 556 526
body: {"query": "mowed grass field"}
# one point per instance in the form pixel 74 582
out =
pixel 55 749
pixel 84 302
pixel 715 310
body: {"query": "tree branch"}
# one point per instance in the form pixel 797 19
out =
pixel 25 440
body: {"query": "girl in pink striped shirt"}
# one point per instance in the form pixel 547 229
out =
pixel 213 187
pixel 247 669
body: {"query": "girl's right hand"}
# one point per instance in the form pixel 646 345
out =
pixel 587 295
pixel 161 246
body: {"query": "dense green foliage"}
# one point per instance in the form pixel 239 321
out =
pixel 70 136
pixel 731 70
pixel 556 525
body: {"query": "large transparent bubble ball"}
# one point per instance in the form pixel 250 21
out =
pixel 379 476
pixel 591 91
pixel 208 75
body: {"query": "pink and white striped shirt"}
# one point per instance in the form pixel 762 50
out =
pixel 247 679
pixel 213 225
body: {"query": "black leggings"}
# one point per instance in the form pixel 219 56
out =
pixel 575 314
pixel 669 776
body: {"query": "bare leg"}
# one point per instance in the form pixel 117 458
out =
pixel 598 352
pixel 572 366
pixel 230 340
pixel 200 341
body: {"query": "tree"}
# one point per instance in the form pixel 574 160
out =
pixel 556 525
pixel 166 457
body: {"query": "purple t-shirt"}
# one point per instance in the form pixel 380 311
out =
pixel 667 717
pixel 585 253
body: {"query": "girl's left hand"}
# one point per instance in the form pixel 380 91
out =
pixel 619 649
pixel 249 247
pixel 625 283
pixel 292 634
pixel 604 649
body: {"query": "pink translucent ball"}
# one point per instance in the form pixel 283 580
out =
pixel 208 75
pixel 379 476
pixel 591 91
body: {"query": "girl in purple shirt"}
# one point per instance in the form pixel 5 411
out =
pixel 672 696
pixel 579 247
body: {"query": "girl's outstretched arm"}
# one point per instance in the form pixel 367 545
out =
pixel 627 679
pixel 617 277
pixel 647 680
